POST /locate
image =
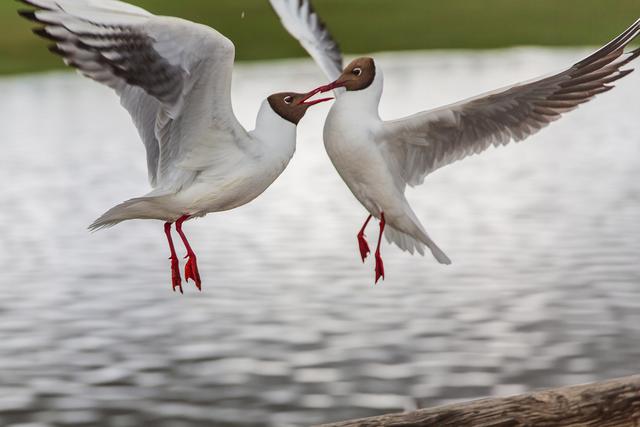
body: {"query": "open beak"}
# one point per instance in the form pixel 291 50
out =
pixel 305 100
pixel 329 87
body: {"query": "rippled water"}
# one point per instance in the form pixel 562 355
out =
pixel 544 290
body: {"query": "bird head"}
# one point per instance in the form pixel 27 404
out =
pixel 293 106
pixel 358 75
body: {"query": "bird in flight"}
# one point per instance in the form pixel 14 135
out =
pixel 377 159
pixel 174 78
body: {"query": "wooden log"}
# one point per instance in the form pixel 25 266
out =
pixel 614 403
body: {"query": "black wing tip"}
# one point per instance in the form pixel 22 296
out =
pixel 32 4
pixel 55 49
pixel 29 15
pixel 618 43
pixel 621 75
pixel 73 64
pixel 605 88
pixel 42 32
pixel 68 60
pixel 322 26
pixel 624 73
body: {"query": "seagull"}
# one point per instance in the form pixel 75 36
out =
pixel 174 78
pixel 377 159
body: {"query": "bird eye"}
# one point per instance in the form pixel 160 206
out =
pixel 288 99
pixel 357 71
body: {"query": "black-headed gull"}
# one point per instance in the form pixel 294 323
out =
pixel 377 159
pixel 174 78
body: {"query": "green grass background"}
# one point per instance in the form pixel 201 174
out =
pixel 363 26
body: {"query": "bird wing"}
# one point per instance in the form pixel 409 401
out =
pixel 420 144
pixel 172 75
pixel 301 21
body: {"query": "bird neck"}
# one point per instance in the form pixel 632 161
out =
pixel 366 101
pixel 276 134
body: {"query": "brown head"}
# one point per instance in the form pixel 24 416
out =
pixel 358 75
pixel 293 106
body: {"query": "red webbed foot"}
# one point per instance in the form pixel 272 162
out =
pixel 379 263
pixel 176 280
pixel 362 241
pixel 364 246
pixel 191 270
pixel 379 268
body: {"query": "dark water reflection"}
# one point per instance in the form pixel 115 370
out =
pixel 544 290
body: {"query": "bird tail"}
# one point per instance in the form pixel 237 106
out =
pixel 403 241
pixel 412 245
pixel 138 208
pixel 435 250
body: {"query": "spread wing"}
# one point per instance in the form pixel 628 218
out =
pixel 172 75
pixel 420 144
pixel 303 23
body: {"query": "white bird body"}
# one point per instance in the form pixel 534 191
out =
pixel 378 159
pixel 234 180
pixel 174 78
pixel 240 182
pixel 355 140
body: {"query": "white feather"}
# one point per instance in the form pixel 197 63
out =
pixel 378 159
pixel 174 78
pixel 302 22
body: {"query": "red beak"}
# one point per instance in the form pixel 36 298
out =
pixel 329 87
pixel 305 100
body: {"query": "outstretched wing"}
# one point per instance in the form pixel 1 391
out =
pixel 422 143
pixel 303 23
pixel 172 75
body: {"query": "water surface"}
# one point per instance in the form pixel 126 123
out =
pixel 290 331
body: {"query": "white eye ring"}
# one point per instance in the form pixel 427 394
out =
pixel 357 71
pixel 288 99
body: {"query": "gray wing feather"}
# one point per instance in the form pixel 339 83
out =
pixel 300 19
pixel 420 144
pixel 152 63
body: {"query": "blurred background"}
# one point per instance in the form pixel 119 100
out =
pixel 289 329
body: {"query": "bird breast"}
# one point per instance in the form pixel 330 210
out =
pixel 352 148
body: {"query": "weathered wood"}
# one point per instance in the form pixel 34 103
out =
pixel 614 403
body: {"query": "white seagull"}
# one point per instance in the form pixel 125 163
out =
pixel 174 78
pixel 377 159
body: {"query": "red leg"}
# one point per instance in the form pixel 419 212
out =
pixel 175 265
pixel 191 268
pixel 379 263
pixel 362 242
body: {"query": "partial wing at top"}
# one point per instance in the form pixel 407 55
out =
pixel 163 69
pixel 303 23
pixel 420 144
